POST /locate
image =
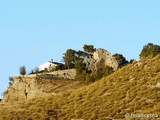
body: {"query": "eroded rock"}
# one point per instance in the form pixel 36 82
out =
pixel 101 58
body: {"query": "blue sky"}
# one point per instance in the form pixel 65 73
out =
pixel 35 31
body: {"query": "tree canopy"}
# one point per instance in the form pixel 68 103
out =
pixel 70 58
pixel 150 50
pixel 121 59
pixel 89 48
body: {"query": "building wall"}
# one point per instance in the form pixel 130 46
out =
pixel 47 65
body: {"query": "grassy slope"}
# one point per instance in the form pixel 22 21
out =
pixel 128 90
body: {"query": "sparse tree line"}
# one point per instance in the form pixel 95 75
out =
pixel 75 59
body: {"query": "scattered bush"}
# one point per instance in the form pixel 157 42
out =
pixel 35 71
pixel 22 70
pixel 92 77
pixel 10 80
pixel 120 59
pixel 150 50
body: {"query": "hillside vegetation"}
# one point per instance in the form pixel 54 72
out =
pixel 131 89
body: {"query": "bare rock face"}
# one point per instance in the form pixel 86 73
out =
pixel 31 86
pixel 23 88
pixel 99 59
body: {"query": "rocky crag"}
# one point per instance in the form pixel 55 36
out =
pixel 99 59
pixel 40 85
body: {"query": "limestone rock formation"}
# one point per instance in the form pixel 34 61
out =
pixel 30 86
pixel 23 87
pixel 99 59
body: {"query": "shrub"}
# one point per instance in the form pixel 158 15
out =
pixel 150 50
pixel 120 59
pixel 10 80
pixel 92 77
pixel 104 72
pixel 22 70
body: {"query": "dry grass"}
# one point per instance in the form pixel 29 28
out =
pixel 128 90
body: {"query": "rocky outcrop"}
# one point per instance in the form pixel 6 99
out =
pixel 33 86
pixel 23 87
pixel 99 59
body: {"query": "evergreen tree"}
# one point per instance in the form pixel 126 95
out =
pixel 120 59
pixel 69 58
pixel 89 48
pixel 150 50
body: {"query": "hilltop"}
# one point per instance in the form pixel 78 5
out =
pixel 134 88
pixel 115 88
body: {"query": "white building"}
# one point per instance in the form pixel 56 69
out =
pixel 49 66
